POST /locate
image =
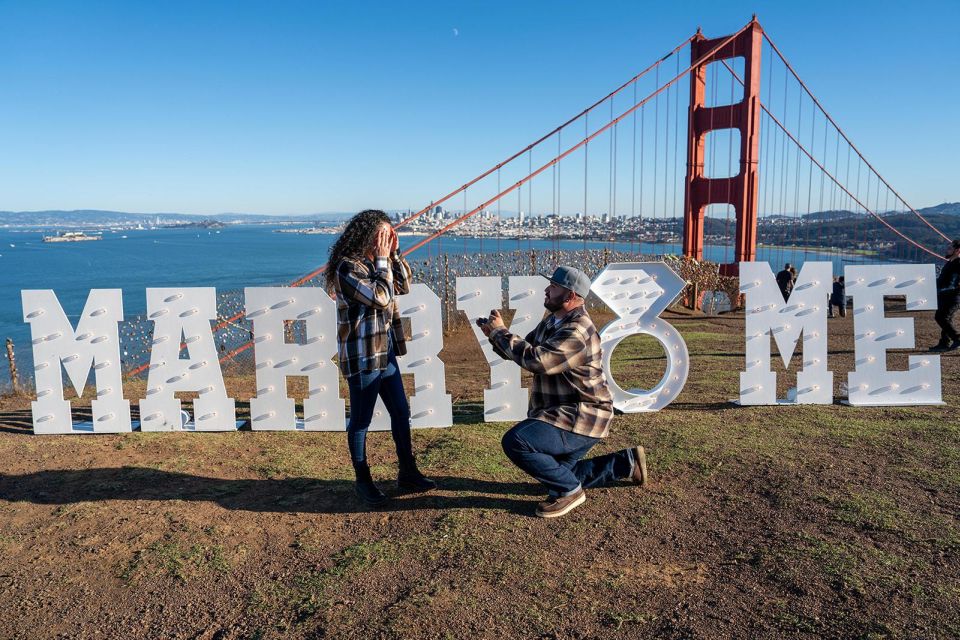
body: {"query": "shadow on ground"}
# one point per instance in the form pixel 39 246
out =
pixel 302 495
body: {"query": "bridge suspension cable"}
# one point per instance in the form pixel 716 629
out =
pixel 585 141
pixel 493 170
pixel 847 139
pixel 516 186
pixel 801 148
pixel 780 177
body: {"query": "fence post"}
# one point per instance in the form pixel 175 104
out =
pixel 446 294
pixel 12 359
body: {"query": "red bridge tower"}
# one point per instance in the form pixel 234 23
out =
pixel 739 190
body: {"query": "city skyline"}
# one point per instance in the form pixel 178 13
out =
pixel 248 109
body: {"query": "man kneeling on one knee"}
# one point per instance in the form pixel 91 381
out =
pixel 570 405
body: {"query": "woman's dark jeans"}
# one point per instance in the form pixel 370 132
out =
pixel 365 387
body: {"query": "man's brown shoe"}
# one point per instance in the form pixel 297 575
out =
pixel 561 506
pixel 639 474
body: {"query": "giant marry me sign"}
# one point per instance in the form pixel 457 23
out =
pixel 637 292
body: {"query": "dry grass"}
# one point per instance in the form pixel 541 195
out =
pixel 825 521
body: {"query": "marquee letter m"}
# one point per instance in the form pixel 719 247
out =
pixel 95 343
pixel 803 313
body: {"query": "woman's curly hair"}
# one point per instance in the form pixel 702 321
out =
pixel 356 239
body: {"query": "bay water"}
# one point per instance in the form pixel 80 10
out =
pixel 230 258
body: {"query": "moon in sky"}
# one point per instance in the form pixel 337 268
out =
pixel 456 32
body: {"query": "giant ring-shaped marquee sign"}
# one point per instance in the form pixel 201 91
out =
pixel 638 292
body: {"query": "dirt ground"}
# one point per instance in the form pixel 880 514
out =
pixel 762 522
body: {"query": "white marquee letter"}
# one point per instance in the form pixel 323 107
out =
pixel 805 312
pixel 638 292
pixel 430 404
pixel 96 342
pixel 185 314
pixel 271 409
pixel 870 383
pixel 505 399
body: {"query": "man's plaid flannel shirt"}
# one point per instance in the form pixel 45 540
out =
pixel 366 311
pixel 569 390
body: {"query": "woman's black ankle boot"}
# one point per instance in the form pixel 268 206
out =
pixel 410 478
pixel 367 491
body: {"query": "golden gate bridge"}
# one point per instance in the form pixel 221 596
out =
pixel 761 162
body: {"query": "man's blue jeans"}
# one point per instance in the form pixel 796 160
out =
pixel 554 457
pixel 365 387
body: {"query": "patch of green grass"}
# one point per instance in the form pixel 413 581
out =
pixel 870 511
pixel 677 449
pixel 852 430
pixel 454 539
pixel 178 463
pixel 839 562
pixel 940 478
pixel 284 457
pixel 177 560
pixel 308 592
pixel 441 449
pixel 362 556
pixel 852 567
pixel 267 596
pixel 788 620
pixel 468 448
pixel 417 601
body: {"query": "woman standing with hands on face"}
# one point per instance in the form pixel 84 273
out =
pixel 366 272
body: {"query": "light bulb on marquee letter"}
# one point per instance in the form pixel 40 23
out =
pixel 430 404
pixel 505 400
pixel 638 292
pixel 271 409
pixel 96 343
pixel 804 312
pixel 184 314
pixel 870 383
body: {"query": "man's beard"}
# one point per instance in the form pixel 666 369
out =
pixel 552 305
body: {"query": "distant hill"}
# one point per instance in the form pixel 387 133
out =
pixel 98 218
pixel 945 209
pixel 823 216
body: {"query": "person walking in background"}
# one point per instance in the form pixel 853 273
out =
pixel 838 297
pixel 785 279
pixel 366 272
pixel 570 406
pixel 948 288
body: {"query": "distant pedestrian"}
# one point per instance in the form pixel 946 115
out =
pixel 948 288
pixel 785 280
pixel 838 298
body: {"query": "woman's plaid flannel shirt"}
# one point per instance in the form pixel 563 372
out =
pixel 367 312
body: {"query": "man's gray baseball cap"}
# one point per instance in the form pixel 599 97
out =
pixel 571 278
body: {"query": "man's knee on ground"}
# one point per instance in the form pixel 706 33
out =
pixel 511 443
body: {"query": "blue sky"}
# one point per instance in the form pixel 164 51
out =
pixel 300 107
